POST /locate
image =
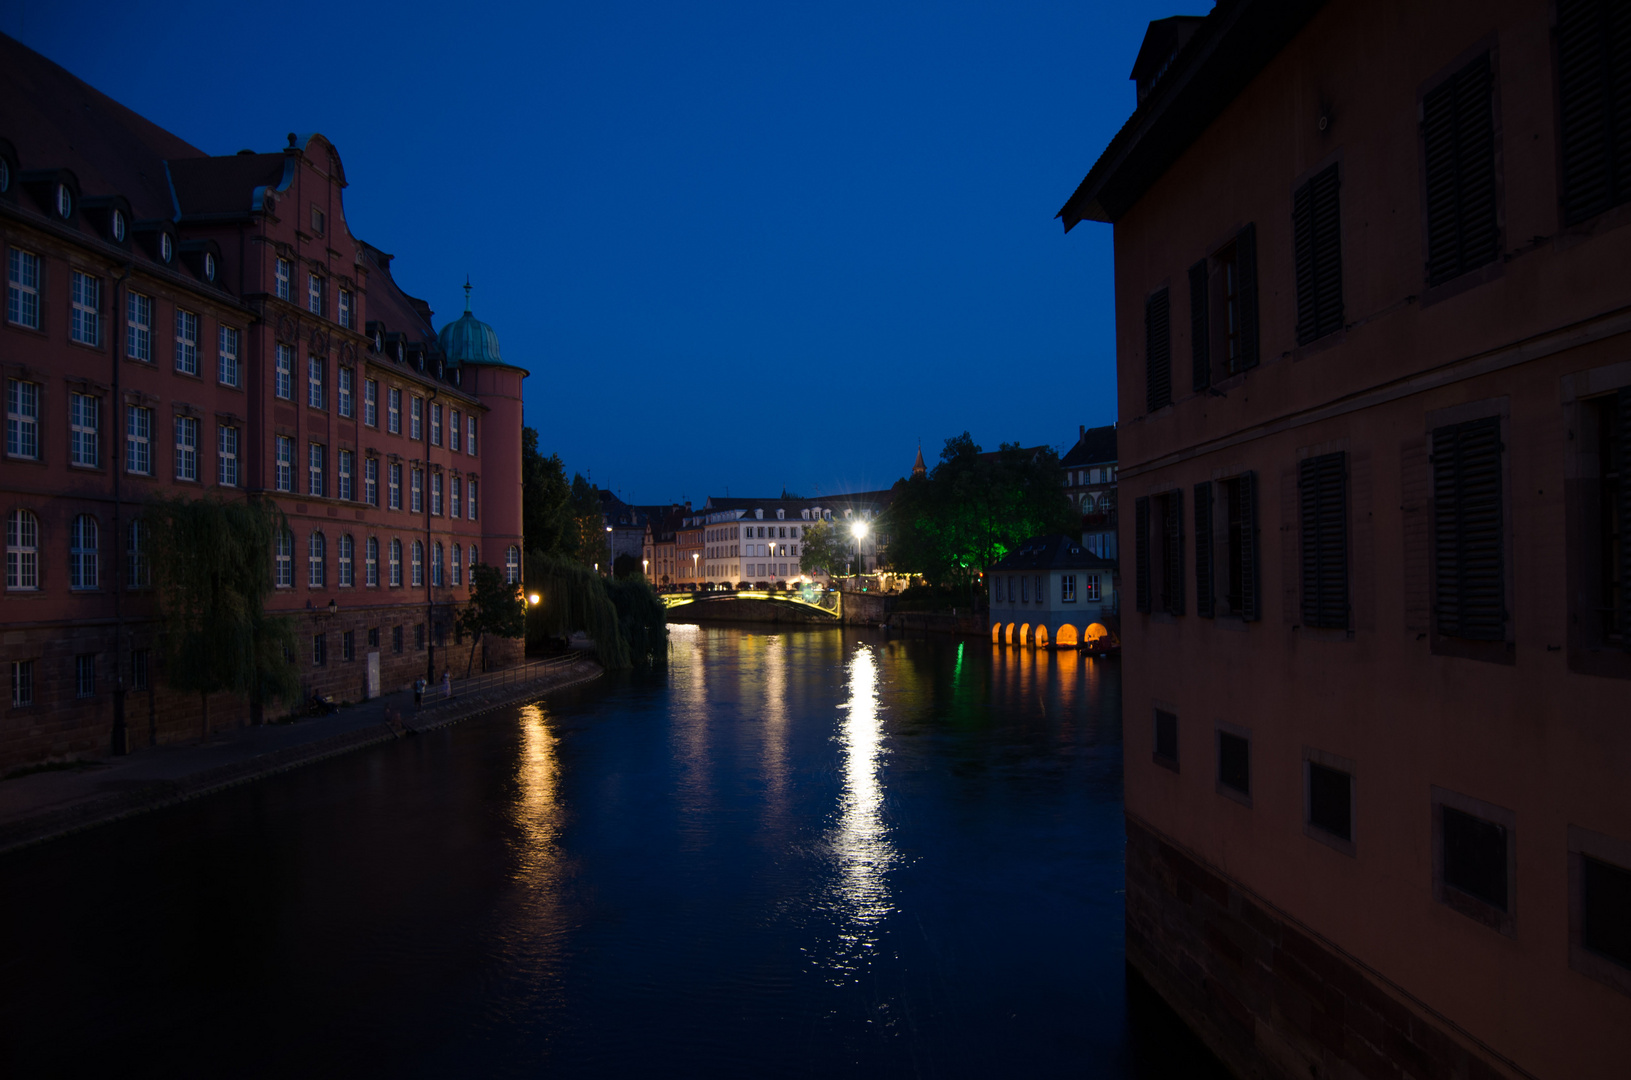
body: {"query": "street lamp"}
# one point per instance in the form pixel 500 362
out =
pixel 859 529
pixel 611 556
pixel 533 598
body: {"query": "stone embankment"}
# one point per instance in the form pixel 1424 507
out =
pixel 44 805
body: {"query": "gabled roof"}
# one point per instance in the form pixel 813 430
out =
pixel 1095 447
pixel 1057 552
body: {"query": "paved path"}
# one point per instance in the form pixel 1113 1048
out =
pixel 43 805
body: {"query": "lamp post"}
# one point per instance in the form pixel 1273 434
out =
pixel 859 530
pixel 611 556
pixel 693 570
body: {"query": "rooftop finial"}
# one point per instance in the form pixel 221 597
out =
pixel 467 293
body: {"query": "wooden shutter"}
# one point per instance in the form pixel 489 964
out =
pixel 1594 94
pixel 1246 293
pixel 1205 605
pixel 1157 352
pixel 1468 554
pixel 1172 552
pixel 1323 484
pixel 1458 134
pixel 1250 592
pixel 1318 227
pixel 1199 343
pixel 1622 420
pixel 1141 552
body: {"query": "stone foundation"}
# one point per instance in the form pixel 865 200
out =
pixel 1268 997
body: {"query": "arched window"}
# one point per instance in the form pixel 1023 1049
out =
pixel 512 566
pixel 82 561
pixel 436 564
pixel 396 563
pixel 138 571
pixel 22 550
pixel 473 561
pixel 418 563
pixel 457 565
pixel 283 560
pixel 314 560
pixel 370 564
pixel 347 551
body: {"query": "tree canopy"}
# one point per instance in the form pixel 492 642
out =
pixel 625 618
pixel 494 608
pixel 972 509
pixel 547 522
pixel 826 549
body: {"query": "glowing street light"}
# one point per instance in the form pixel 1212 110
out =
pixel 533 598
pixel 859 529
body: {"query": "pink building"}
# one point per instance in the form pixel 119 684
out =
pixel 1373 295
pixel 184 324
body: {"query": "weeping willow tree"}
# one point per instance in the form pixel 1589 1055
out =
pixel 211 577
pixel 625 618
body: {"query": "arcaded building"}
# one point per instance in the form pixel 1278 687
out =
pixel 1373 321
pixel 178 323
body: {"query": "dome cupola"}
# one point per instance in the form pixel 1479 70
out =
pixel 468 340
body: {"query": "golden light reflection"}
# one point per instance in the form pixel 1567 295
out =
pixel 691 733
pixel 537 810
pixel 774 756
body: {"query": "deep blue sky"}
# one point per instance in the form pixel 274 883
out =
pixel 738 245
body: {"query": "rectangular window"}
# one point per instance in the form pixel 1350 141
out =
pixel 227 451
pixel 416 491
pixel 345 561
pixel 285 463
pixel 227 368
pixel 1458 136
pixel 345 391
pixel 283 385
pixel 419 636
pixel 396 564
pixel 346 458
pixel 84 437
pixel 370 402
pixel 1024 590
pixel 1468 532
pixel 139 326
pixel 1605 909
pixel 416 408
pixel 319 650
pixel 1169 512
pixel 396 638
pixel 393 411
pixel 1234 762
pixel 345 318
pixel 22 683
pixel 436 494
pixel 470 494
pixel 316 566
pixel 22 418
pixel 1166 739
pixel 455 498
pixel 1474 856
pixel 283 560
pixel 1205 587
pixel 314 382
pixel 317 221
pixel 283 276
pixel 22 550
pixel 186 342
pixel 348 640
pixel 373 637
pixel 138 440
pixel 1090 587
pixel 1330 800
pixel 186 448
pixel 435 424
pixel 85 675
pixel 370 569
pixel 138 669
pixel 1243 595
pixel 314 468
pixel 1157 352
pixel 1323 488
pixel 1593 71
pixel 23 288
pixel 1317 224
pixel 453 430
pixel 1607 430
pixel 370 481
pixel 1141 553
pixel 393 487
pixel 1067 588
pixel 314 294
pixel 86 325
pixel 470 437
pixel 138 567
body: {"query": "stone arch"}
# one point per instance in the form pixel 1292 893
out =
pixel 1067 637
pixel 1009 635
pixel 996 633
pixel 1024 633
pixel 1041 641
pixel 1095 633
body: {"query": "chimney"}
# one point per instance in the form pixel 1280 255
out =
pixel 1081 432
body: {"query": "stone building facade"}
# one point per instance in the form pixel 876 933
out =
pixel 1373 327
pixel 1090 485
pixel 181 324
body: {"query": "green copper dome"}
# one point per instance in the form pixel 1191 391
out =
pixel 468 340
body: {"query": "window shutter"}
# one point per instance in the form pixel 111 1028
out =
pixel 1323 484
pixel 1467 530
pixel 1172 553
pixel 1594 92
pixel 1204 604
pixel 1141 551
pixel 1198 328
pixel 1251 601
pixel 1246 293
pixel 1157 352
pixel 1318 226
pixel 1622 417
pixel 1458 133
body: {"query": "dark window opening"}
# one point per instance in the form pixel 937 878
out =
pixel 1458 134
pixel 396 638
pixel 1200 335
pixel 1141 554
pixel 1608 431
pixel 1323 484
pixel 1240 510
pixel 1205 600
pixel 1234 762
pixel 138 669
pixel 1166 737
pixel 1330 801
pixel 348 645
pixel 1475 857
pixel 319 650
pixel 1157 352
pixel 1605 909
pixel 1468 533
pixel 419 636
pixel 1170 507
pixel 1594 97
pixel 85 675
pixel 1318 227
pixel 373 637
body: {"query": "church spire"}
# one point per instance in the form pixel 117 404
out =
pixel 919 469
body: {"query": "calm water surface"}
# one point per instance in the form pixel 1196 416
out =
pixel 817 853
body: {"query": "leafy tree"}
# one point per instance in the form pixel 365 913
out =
pixel 589 526
pixel 972 509
pixel 826 549
pixel 642 621
pixel 625 565
pixel 547 522
pixel 494 608
pixel 211 585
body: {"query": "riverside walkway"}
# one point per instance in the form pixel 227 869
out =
pixel 40 806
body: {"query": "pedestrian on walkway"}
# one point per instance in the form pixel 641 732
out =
pixel 419 692
pixel 447 683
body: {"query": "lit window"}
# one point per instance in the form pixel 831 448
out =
pixel 1067 588
pixel 139 326
pixel 22 550
pixel 138 570
pixel 22 418
pixel 227 368
pixel 82 555
pixel 512 565
pixel 84 419
pixel 314 469
pixel 285 463
pixel 138 440
pixel 23 288
pixel 315 571
pixel 314 382
pixel 345 560
pixel 283 385
pixel 227 452
pixel 283 279
pixel 186 448
pixel 86 325
pixel 186 342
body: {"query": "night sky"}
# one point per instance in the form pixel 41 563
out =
pixel 744 246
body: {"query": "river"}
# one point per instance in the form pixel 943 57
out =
pixel 811 853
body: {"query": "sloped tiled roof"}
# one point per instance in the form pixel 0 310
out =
pixel 1095 447
pixel 1057 552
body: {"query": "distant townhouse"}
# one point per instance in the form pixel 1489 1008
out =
pixel 1090 485
pixel 1052 591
